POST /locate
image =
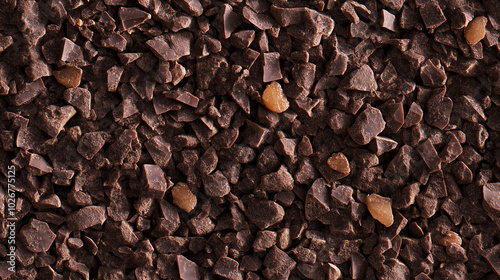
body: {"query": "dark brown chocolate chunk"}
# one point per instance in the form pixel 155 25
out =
pixel 71 52
pixel 188 270
pixel 432 73
pixel 428 205
pixel 54 118
pixel 132 17
pixel 256 135
pixel 260 21
pixel 87 217
pixel 414 115
pixel 388 21
pixel 115 42
pixel 304 74
pixel 183 97
pixel 278 181
pixel 264 240
pixel 317 200
pixel 368 124
pixel 470 109
pixel 476 134
pixel 171 47
pixel 201 225
pixel 361 79
pixel 432 15
pixel 278 264
pixel 452 149
pixel 159 150
pixel 264 213
pixel 216 184
pixel 338 65
pixel 243 39
pixel 29 92
pixel 228 268
pixel 80 98
pixel 90 144
pixel 155 181
pixel 439 110
pixel 37 236
pixel 393 4
pixel 393 115
pixel 114 74
pixel 271 67
pixel 491 194
pixel 382 145
pixel 208 161
pixel 229 20
pixel 429 155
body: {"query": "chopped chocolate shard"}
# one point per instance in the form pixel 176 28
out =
pixel 393 115
pixel 183 197
pixel 414 115
pixel 127 58
pixel 229 21
pixel 278 181
pixel 192 7
pixel 304 74
pixel 178 73
pixel 428 205
pixel 132 17
pixel 159 150
pixel 348 10
pixel 69 77
pixel 90 144
pixel 216 184
pixel 87 217
pixel 5 42
pixel 155 181
pixel 264 213
pixel 80 98
pixel 37 236
pixel 169 221
pixel 438 111
pixel 264 240
pixel 452 149
pixel 114 75
pixel 382 145
pixel 361 79
pixel 227 268
pixel 243 39
pixel 171 47
pixel 188 270
pixel 184 97
pixel 470 109
pixel 433 73
pixel 271 67
pixel 208 161
pixel 476 134
pixel 260 21
pixel 492 256
pixel 53 118
pixel 28 93
pixel 432 15
pixel 491 198
pixel 368 124
pixel 278 264
pixel 71 52
pixel 201 225
pixel 115 42
pixel 462 172
pixel 256 135
pixel 393 4
pixel 388 21
pixel 317 200
pixel 429 155
pixel 38 163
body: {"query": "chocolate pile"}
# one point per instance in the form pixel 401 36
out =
pixel 251 139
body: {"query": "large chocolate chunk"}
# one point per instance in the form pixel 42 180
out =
pixel 90 144
pixel 260 21
pixel 132 17
pixel 28 92
pixel 278 264
pixel 37 236
pixel 271 67
pixel 430 156
pixel 229 21
pixel 53 118
pixel 367 125
pixel 432 73
pixel 228 268
pixel 81 99
pixel 155 181
pixel 159 150
pixel 317 200
pixel 278 181
pixel 87 217
pixel 361 79
pixel 188 270
pixel 439 109
pixel 216 184
pixel 264 213
pixel 432 15
pixel 171 47
pixel 71 52
pixel 192 7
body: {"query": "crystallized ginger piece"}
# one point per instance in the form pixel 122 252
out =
pixel 274 99
pixel 69 77
pixel 475 30
pixel 450 239
pixel 183 197
pixel 380 208
pixel 339 162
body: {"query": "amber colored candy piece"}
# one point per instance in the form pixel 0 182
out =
pixel 476 30
pixel 380 208
pixel 450 239
pixel 339 162
pixel 183 197
pixel 69 77
pixel 274 99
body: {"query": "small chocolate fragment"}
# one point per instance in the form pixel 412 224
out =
pixel 260 21
pixel 317 200
pixel 278 264
pixel 53 118
pixel 69 77
pixel 115 42
pixel 361 79
pixel 393 115
pixel 71 52
pixel 28 93
pixel 368 124
pixel 37 236
pixel 388 21
pixel 414 115
pixel 155 181
pixel 169 221
pixel 452 149
pixel 382 145
pixel 80 98
pixel 114 75
pixel 90 144
pixel 491 198
pixel 393 4
pixel 171 47
pixel 216 184
pixel 476 134
pixel 271 67
pixel 264 213
pixel 127 58
pixel 132 17
pixel 227 268
pixel 470 109
pixel 87 217
pixel 430 156
pixel 188 270
pixel 243 39
pixel 159 150
pixel 338 65
pixel 433 73
pixel 432 15
pixel 229 20
pixel 184 97
pixel 278 181
pixel 201 225
pixel 39 164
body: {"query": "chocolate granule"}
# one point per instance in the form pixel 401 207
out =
pixel 256 139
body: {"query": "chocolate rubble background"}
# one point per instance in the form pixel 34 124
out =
pixel 144 146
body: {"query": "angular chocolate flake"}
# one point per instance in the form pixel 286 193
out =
pixel 243 39
pixel 367 125
pixel 432 73
pixel 278 181
pixel 438 111
pixel 436 186
pixel 90 144
pixel 432 15
pixel 183 97
pixel 452 149
pixel 382 145
pixel 430 156
pixel 159 150
pixel 271 67
pixel 127 58
pixel 491 198
pixel 227 268
pixel 170 220
pixel 229 20
pixel 115 42
pixel 264 213
pixel 37 236
pixel 71 52
pixel 114 75
pixel 201 225
pixel 171 47
pixel 317 200
pixel 361 79
pixel 132 17
pixel 28 93
pixel 393 4
pixel 155 181
pixel 278 264
pixel 80 98
pixel 188 270
pixel 260 21
pixel 388 21
pixel 470 109
pixel 338 65
pixel 192 7
pixel 393 115
pixel 87 217
pixel 39 164
pixel 414 115
pixel 53 118
pixel 216 184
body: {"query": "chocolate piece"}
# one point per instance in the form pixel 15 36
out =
pixel 429 155
pixel 39 164
pixel 388 21
pixel 438 111
pixel 171 47
pixel 114 76
pixel 382 145
pixel 368 124
pixel 432 15
pixel 264 213
pixel 90 144
pixel 192 7
pixel 229 21
pixel 29 92
pixel 260 21
pixel 278 264
pixel 188 270
pixel 243 39
pixel 216 184
pixel 393 115
pixel 183 97
pixel 278 181
pixel 201 225
pixel 87 217
pixel 155 180
pixel 476 134
pixel 432 73
pixel 71 53
pixel 37 236
pixel 255 134
pixel 127 58
pixel 53 119
pixel 361 79
pixel 132 17
pixel 470 109
pixel 414 115
pixel 227 268
pixel 80 98
pixel 338 65
pixel 393 4
pixel 317 200
pixel 159 150
pixel 115 42
pixel 271 67
pixel 264 240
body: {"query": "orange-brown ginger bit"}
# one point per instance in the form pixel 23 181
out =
pixel 274 99
pixel 183 197
pixel 69 77
pixel 380 208
pixel 475 30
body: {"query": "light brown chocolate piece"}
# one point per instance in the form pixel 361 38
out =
pixel 475 30
pixel 183 197
pixel 274 99
pixel 380 208
pixel 69 77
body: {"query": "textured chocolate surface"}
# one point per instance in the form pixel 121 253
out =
pixel 200 139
